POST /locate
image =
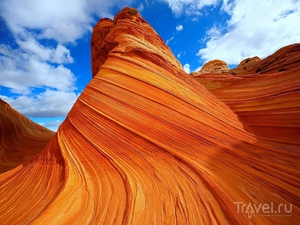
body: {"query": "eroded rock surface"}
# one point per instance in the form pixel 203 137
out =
pixel 285 58
pixel 145 143
pixel 215 66
pixel 267 103
pixel 21 138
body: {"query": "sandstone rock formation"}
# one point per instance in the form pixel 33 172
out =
pixel 145 143
pixel 246 65
pixel 284 59
pixel 140 39
pixel 215 66
pixel 21 138
pixel 267 104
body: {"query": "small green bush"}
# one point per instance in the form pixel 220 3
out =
pixel 132 11
pixel 282 69
pixel 258 70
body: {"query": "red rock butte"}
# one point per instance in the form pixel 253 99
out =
pixel 146 143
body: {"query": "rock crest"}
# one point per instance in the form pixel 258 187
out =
pixel 146 143
pixel 215 66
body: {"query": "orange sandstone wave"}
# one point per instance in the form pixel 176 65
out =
pixel 145 143
pixel 21 138
pixel 268 104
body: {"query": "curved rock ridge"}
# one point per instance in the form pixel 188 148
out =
pixel 215 66
pixel 267 104
pixel 285 58
pixel 246 66
pixel 213 81
pixel 21 138
pixel 145 143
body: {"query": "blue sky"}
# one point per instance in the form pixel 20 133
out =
pixel 45 45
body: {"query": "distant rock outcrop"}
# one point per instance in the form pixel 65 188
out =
pixel 215 66
pixel 145 143
pixel 286 58
pixel 246 65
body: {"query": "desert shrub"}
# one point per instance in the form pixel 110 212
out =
pixel 258 70
pixel 132 11
pixel 282 69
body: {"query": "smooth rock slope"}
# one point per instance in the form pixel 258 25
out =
pixel 145 143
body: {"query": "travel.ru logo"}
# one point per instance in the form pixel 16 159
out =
pixel 264 209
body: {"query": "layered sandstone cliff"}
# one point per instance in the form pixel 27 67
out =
pixel 145 143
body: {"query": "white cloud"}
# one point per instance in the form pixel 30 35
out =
pixel 169 40
pixel 51 125
pixel 63 21
pixel 22 70
pixel 33 48
pixel 61 55
pixel 227 6
pixel 197 69
pixel 140 8
pixel 50 103
pixel 35 73
pixel 179 27
pixel 256 28
pixel 190 7
pixel 186 68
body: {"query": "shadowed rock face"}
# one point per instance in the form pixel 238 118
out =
pixel 145 143
pixel 21 139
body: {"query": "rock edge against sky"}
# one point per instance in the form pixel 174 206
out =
pixel 146 143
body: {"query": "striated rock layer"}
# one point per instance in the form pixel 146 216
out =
pixel 215 66
pixel 145 143
pixel 267 104
pixel 286 58
pixel 20 138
